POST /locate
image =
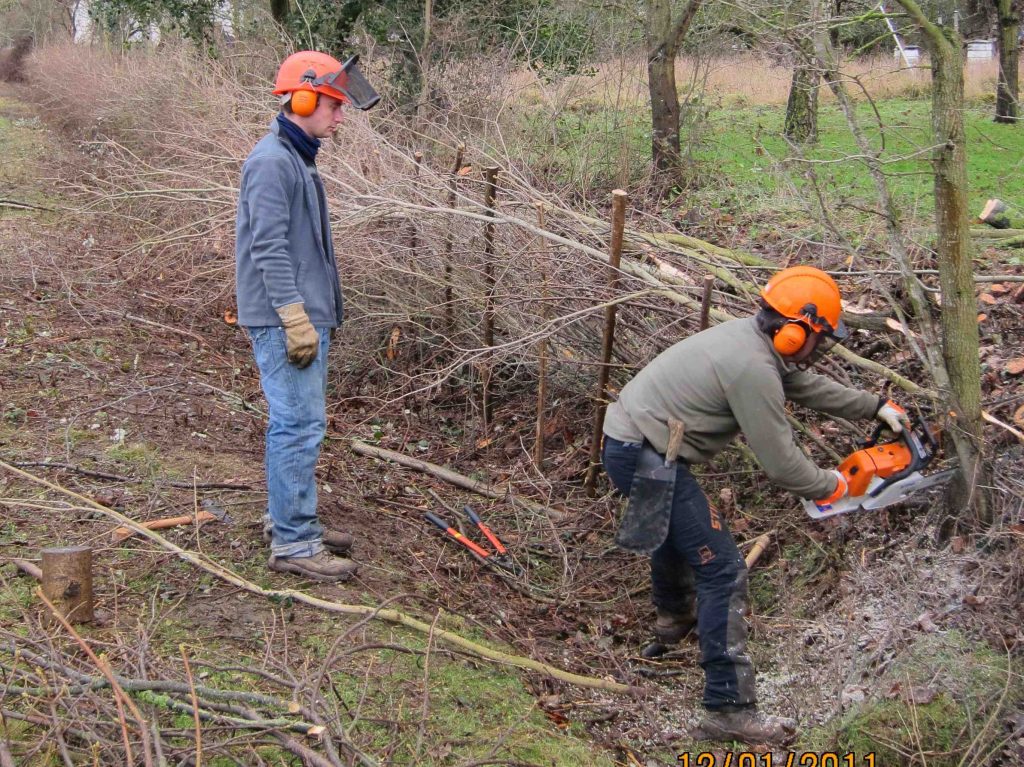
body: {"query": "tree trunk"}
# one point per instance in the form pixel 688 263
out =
pixel 1007 91
pixel 956 277
pixel 661 82
pixel 802 107
pixel 663 38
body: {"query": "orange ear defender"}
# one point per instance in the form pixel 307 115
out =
pixel 790 339
pixel 303 102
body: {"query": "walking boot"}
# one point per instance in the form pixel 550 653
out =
pixel 334 541
pixel 319 567
pixel 669 629
pixel 338 542
pixel 747 725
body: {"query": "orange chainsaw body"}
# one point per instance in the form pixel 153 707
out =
pixel 880 461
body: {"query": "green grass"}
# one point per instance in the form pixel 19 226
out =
pixel 743 166
pixel 141 457
pixel 473 712
pixel 995 153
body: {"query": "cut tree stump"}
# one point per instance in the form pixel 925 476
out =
pixel 67 581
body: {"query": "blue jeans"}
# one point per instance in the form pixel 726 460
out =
pixel 699 550
pixel 297 400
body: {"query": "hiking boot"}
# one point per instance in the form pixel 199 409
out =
pixel 747 725
pixel 670 629
pixel 320 567
pixel 338 542
pixel 992 214
pixel 334 541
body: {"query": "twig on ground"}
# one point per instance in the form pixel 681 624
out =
pixel 391 616
pixel 452 477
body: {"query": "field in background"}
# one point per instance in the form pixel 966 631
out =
pixel 593 133
pixel 754 79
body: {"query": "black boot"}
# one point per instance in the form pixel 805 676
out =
pixel 669 630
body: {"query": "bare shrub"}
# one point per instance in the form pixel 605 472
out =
pixel 12 60
pixel 165 162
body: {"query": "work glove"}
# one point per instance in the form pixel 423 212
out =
pixel 893 416
pixel 300 337
pixel 842 489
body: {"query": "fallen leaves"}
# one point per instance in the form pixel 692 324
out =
pixel 925 622
pixel 1015 366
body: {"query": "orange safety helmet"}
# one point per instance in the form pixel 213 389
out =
pixel 810 299
pixel 306 74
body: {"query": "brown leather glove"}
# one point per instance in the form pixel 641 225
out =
pixel 301 339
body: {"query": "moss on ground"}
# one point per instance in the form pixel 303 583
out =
pixel 962 690
pixel 471 712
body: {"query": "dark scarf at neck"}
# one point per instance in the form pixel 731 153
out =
pixel 303 142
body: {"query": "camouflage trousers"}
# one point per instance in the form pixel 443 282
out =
pixel 698 558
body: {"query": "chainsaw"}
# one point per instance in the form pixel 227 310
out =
pixel 881 474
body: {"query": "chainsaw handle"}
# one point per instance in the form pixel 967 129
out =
pixel 920 456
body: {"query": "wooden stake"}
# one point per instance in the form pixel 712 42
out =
pixel 453 188
pixel 67 581
pixel 542 347
pixel 760 544
pixel 414 234
pixel 705 301
pixel 619 200
pixel 490 194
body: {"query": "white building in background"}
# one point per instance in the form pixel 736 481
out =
pixel 911 54
pixel 83 24
pixel 981 50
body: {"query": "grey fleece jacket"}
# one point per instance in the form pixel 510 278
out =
pixel 283 248
pixel 728 379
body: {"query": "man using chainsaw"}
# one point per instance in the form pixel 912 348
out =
pixel 732 378
pixel 289 300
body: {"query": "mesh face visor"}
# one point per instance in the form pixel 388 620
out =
pixel 828 339
pixel 349 80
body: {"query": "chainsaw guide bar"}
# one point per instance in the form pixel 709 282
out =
pixel 883 474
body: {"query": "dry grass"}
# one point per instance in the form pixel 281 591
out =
pixel 747 79
pixel 166 161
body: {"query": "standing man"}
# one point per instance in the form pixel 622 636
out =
pixel 730 378
pixel 289 301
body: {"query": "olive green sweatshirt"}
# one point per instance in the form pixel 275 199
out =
pixel 728 379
